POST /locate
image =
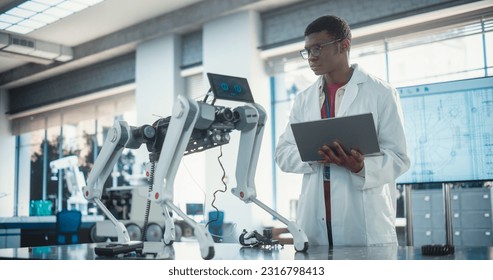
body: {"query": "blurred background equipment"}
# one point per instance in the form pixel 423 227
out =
pixel 68 168
pixel 67 226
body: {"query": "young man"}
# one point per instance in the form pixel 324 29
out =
pixel 346 199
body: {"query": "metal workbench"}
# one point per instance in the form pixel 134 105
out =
pixel 234 251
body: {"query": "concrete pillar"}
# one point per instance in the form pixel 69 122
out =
pixel 157 78
pixel 24 188
pixel 157 84
pixel 7 147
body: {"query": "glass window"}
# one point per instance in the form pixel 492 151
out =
pixel 80 130
pixel 53 153
pixel 42 151
pixel 443 60
pixel 489 52
pixel 85 135
pixel 371 57
pixel 33 143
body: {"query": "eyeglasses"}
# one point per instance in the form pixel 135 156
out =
pixel 315 51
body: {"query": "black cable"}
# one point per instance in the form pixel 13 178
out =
pixel 207 95
pixel 218 190
pixel 148 203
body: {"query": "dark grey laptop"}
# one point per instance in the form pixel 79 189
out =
pixel 357 131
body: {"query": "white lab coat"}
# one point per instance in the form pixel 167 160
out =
pixel 363 207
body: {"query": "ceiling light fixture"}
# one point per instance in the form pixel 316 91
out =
pixel 34 14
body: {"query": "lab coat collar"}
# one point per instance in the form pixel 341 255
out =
pixel 351 88
pixel 359 76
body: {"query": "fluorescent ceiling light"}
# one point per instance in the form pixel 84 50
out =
pixel 72 6
pixel 50 2
pixel 57 12
pixel 9 19
pixel 45 18
pixel 33 6
pixel 32 23
pixel 34 14
pixel 19 29
pixel 19 12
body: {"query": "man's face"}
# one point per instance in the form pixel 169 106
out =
pixel 329 56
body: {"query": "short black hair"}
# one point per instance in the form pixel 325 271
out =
pixel 334 25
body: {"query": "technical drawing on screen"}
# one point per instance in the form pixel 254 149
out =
pixel 449 131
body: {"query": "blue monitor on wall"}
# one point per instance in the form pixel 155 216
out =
pixel 449 130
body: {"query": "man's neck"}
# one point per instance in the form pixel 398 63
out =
pixel 339 77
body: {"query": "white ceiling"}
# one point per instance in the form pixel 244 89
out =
pixel 111 16
pixel 105 18
pixel 96 21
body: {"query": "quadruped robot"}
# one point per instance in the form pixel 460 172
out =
pixel 193 126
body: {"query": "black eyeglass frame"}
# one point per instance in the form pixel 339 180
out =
pixel 315 51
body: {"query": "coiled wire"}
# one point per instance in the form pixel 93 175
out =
pixel 148 203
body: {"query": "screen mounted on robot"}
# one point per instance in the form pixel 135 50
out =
pixel 230 88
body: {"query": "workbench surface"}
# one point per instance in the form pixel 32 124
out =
pixel 235 251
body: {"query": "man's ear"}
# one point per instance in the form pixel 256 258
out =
pixel 344 45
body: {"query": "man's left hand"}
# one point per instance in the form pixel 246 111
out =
pixel 336 154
